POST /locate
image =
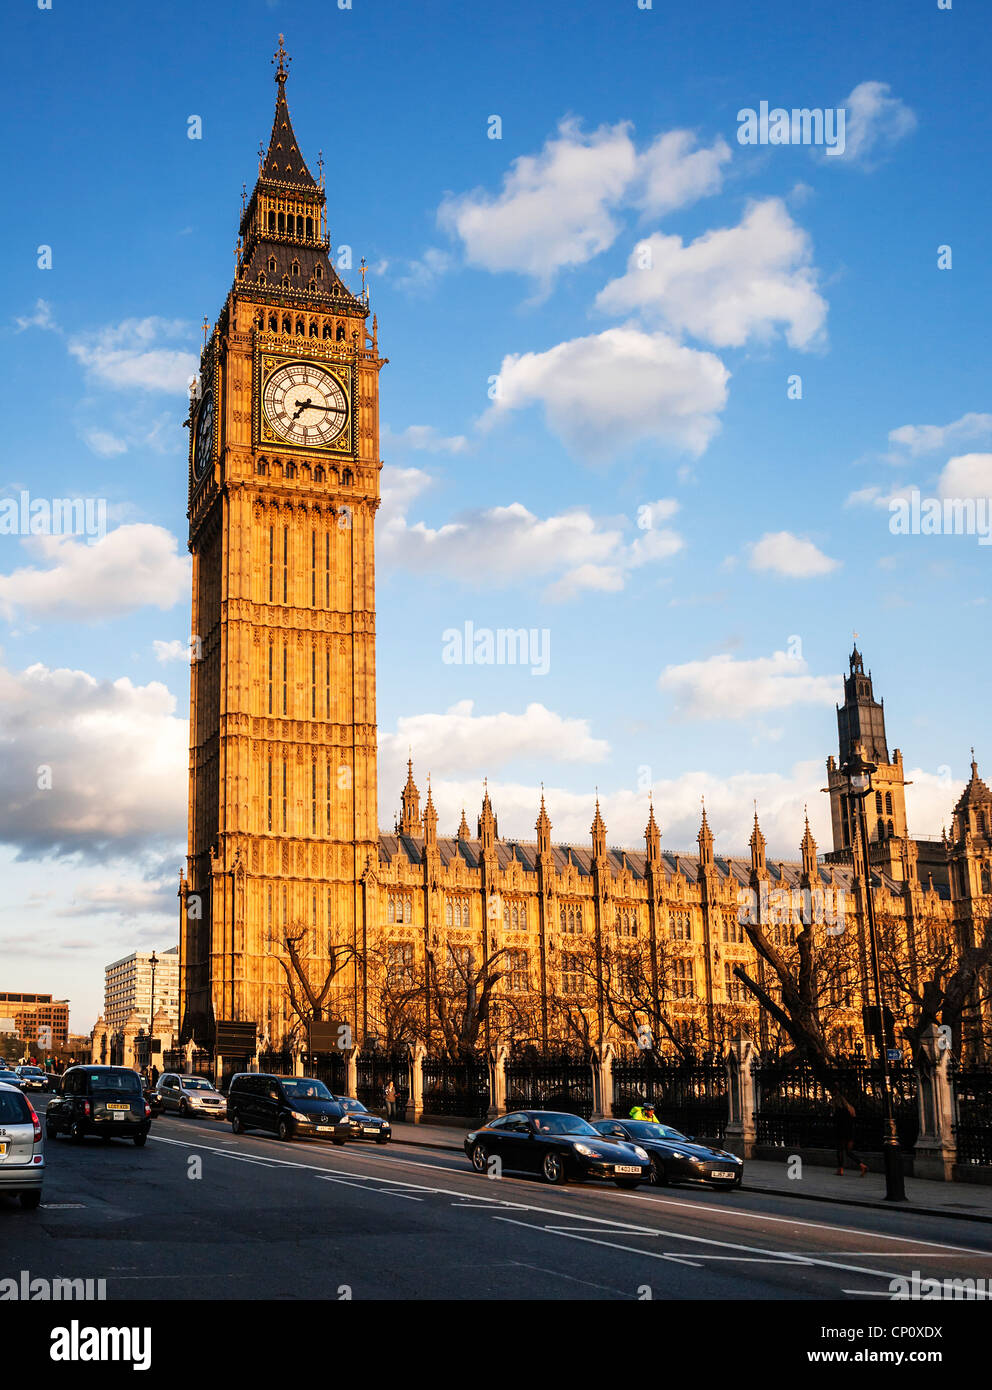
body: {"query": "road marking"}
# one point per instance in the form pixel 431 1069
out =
pixel 378 1191
pixel 616 1225
pixel 612 1244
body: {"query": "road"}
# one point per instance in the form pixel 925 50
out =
pixel 200 1213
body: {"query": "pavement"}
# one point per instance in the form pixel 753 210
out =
pixel 953 1200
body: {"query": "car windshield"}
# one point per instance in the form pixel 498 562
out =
pixel 31 1071
pixel 562 1124
pixel 355 1106
pixel 305 1088
pixel 191 1083
pixel 649 1129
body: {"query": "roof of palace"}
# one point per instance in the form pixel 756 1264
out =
pixel 409 849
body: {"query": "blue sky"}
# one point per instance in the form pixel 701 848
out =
pixel 642 286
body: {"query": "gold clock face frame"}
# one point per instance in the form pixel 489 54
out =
pixel 304 403
pixel 203 436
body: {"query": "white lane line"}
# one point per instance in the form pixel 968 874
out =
pixel 621 1227
pixel 612 1244
pixel 375 1191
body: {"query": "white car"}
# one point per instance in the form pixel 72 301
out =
pixel 22 1159
pixel 191 1095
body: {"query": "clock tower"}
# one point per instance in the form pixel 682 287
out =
pixel 283 490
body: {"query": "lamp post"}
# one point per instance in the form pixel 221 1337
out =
pixel 858 774
pixel 151 1017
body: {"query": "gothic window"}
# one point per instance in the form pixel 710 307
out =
pixel 282 222
pixel 347 476
pixel 518 972
pixel 401 963
pixel 890 830
pixel 572 980
pixel 627 921
pixel 570 918
pixel 270 677
pixel 272 262
pixel 299 226
pixel 272 221
pixel 318 474
pixel 287 324
pixel 301 328
pixel 514 916
pixel 313 702
pixel 261 277
pixel 679 926
pixel 272 543
pixel 878 803
pixel 684 980
pixel 273 324
pixel 313 325
pixel 261 469
pixel 290 470
pixel 319 272
pixel 732 987
pixel 285 282
pixel 269 795
pixel 327 330
pixel 339 335
pixel 313 808
pixel 327 800
pixel 456 912
pixel 986 879
pixel 295 267
pixel 312 286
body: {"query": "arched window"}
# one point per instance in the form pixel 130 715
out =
pixel 261 277
pixel 347 477
pixel 390 910
pixel 282 222
pixel 318 474
pixel 273 324
pixel 319 272
pixel 272 220
pixel 312 285
pixel 290 470
pixel 339 335
pixel 327 330
pixel 890 829
pixel 888 803
pixel 881 828
pixel 301 328
pixel 287 324
pixel 295 267
pixel 986 879
pixel 407 909
pixel 272 262
pixel 299 225
pixel 309 225
pixel 285 282
pixel 449 915
pixel 878 803
pixel 313 328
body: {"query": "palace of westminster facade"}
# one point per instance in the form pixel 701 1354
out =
pixel 284 838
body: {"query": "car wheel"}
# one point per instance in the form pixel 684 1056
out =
pixel 140 1140
pixel 553 1169
pixel 480 1158
pixel 184 1109
pixel 76 1132
pixel 285 1131
pixel 31 1201
pixel 658 1177
pixel 236 1124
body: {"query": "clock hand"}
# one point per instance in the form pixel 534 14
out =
pixel 304 405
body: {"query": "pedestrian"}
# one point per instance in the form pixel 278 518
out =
pixel 844 1136
pixel 155 1075
pixel 637 1111
pixel 390 1100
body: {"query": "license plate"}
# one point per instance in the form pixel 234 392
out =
pixel 368 1129
pixel 325 1129
pixel 722 1173
pixel 3 1149
pixel 113 1105
pixel 625 1168
pixel 121 1117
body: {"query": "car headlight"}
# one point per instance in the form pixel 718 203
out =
pixel 641 1153
pixel 676 1154
pixel 585 1150
pixel 470 1137
pixel 297 1116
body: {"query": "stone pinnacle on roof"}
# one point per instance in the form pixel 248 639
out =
pixel 284 163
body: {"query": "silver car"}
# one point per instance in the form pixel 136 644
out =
pixel 22 1159
pixel 191 1095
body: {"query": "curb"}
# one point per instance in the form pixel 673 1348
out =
pixel 775 1191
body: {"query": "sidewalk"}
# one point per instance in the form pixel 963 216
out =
pixel 952 1200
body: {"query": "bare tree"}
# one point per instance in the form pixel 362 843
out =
pixel 307 998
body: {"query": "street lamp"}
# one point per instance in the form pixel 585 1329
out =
pixel 858 775
pixel 151 1018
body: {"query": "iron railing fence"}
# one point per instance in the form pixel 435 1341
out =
pixel 973 1105
pixel 375 1069
pixel 455 1088
pixel 550 1081
pixel 795 1109
pixel 689 1092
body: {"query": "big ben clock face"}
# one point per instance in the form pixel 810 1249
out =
pixel 204 441
pixel 305 405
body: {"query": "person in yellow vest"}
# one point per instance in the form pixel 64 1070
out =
pixel 637 1112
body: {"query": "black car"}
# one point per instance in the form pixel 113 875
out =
pixel 559 1146
pixel 32 1078
pixel 674 1157
pixel 362 1124
pixel 109 1101
pixel 294 1107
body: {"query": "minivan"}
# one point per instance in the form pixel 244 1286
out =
pixel 22 1162
pixel 290 1106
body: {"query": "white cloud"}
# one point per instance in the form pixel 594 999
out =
pixel 128 568
pixel 41 318
pixel 674 173
pixel 927 439
pixel 502 546
pixel 460 740
pixel 135 354
pixel 723 687
pixel 554 209
pixel 603 393
pixel 423 437
pixel 968 475
pixel 875 122
pixel 879 497
pixel 104 443
pixel 421 276
pixel 117 755
pixel 559 208
pixel 729 285
pixel 173 650
pixel 786 554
